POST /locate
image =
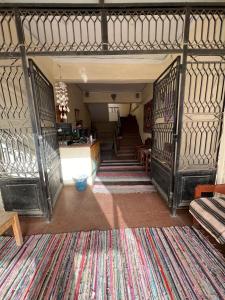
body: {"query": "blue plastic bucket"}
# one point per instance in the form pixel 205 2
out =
pixel 81 184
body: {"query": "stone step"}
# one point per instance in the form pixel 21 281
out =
pixel 125 155
pixel 130 143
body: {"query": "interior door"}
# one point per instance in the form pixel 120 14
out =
pixel 47 133
pixel 164 130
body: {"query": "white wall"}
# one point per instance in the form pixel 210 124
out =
pixel 113 72
pixel 76 101
pixel 123 109
pixel 105 97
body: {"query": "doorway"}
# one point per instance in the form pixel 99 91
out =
pixel 114 30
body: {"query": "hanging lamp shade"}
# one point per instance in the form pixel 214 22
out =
pixel 62 99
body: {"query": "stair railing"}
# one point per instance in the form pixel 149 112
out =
pixel 115 143
pixel 117 133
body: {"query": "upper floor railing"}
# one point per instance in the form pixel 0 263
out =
pixel 109 29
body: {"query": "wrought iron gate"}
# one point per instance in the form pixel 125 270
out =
pixel 165 106
pixel 202 118
pixel 47 134
pixel 191 30
pixel 20 175
pixel 30 173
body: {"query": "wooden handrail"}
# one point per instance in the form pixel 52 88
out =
pixel 209 188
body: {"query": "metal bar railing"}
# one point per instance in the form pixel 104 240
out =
pixel 75 30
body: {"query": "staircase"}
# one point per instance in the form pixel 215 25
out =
pixel 129 139
pixel 105 134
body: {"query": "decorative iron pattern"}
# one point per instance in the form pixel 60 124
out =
pixel 44 100
pixel 144 29
pixel 17 149
pixel 163 140
pixel 81 30
pixel 14 104
pixel 108 30
pixel 207 28
pixel 164 114
pixel 203 114
pixel 17 153
pixel 51 151
pixel 62 30
pixel 8 35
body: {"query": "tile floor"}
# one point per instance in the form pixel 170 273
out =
pixel 75 211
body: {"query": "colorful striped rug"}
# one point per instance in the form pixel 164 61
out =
pixel 156 263
pixel 122 177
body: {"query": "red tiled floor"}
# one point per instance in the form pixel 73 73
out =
pixel 75 211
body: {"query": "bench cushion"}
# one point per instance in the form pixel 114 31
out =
pixel 210 214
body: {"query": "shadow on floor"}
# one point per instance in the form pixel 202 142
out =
pixel 77 211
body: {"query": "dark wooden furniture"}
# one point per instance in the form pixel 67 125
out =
pixel 139 148
pixel 209 188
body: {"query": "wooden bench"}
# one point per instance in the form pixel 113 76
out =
pixel 209 212
pixel 8 219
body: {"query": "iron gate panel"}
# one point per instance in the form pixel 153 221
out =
pixel 132 29
pixel 62 30
pixel 203 111
pixel 19 174
pixel 185 183
pixel 110 30
pixel 207 28
pixel 8 37
pixel 203 114
pixel 165 97
pixel 46 116
pixel 117 29
pixel 81 30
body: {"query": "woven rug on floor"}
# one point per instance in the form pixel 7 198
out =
pixel 122 177
pixel 141 263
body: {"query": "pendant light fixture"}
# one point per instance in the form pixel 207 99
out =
pixel 62 98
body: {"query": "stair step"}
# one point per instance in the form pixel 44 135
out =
pixel 125 136
pixel 125 155
pixel 127 148
pixel 126 152
pixel 130 140
pixel 126 143
pixel 130 137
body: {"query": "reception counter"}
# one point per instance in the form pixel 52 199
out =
pixel 79 160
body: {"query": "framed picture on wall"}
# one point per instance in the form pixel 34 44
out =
pixel 148 116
